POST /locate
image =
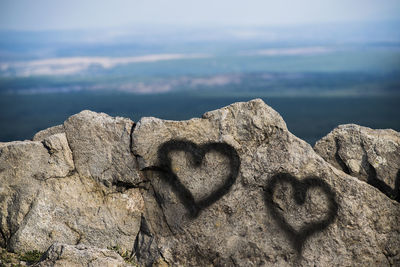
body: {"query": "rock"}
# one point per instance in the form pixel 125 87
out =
pixel 24 165
pixel 237 188
pixel 101 148
pixel 3 144
pixel 88 214
pixel 39 136
pixel 373 156
pixel 43 199
pixel 234 187
pixel 80 255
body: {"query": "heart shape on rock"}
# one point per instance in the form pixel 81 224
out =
pixel 198 153
pixel 300 188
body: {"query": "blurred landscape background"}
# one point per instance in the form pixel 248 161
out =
pixel 318 64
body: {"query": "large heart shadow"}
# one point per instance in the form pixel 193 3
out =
pixel 198 153
pixel 300 188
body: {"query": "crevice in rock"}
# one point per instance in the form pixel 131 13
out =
pixel 387 256
pixel 4 237
pixel 136 157
pixel 145 249
pixel 61 253
pixel 93 259
pixel 30 208
pixel 23 221
pixel 144 227
pixel 49 149
pixel 156 196
pixel 159 203
pixel 122 186
pixel 104 171
pixel 155 168
pixel 373 180
pixel 131 138
pixel 382 186
pixel 80 235
pixel 339 160
pixel 70 148
pixel 164 259
pixel 233 261
pixel 397 187
pixel 69 174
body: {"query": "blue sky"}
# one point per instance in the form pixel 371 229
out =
pixel 98 14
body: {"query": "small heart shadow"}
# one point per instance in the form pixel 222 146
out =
pixel 300 187
pixel 198 153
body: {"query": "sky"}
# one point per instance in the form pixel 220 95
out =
pixel 41 15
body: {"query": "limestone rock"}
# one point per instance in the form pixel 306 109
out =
pixel 63 255
pixel 24 166
pixel 77 210
pixel 44 199
pixel 371 155
pixel 233 188
pixel 100 147
pixel 39 136
pixel 236 188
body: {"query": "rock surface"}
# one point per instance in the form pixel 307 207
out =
pixel 39 136
pixel 100 147
pixel 371 155
pixel 233 188
pixel 62 255
pixel 258 219
pixel 48 192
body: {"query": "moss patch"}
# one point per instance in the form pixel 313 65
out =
pixel 31 257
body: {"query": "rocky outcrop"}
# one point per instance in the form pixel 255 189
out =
pixel 233 188
pixel 55 189
pixel 285 205
pixel 373 156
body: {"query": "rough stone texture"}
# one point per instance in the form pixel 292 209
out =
pixel 23 167
pixel 245 227
pixel 63 255
pixel 371 155
pixel 39 136
pixel 101 147
pixel 233 188
pixel 44 199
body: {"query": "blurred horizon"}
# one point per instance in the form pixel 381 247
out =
pixel 100 14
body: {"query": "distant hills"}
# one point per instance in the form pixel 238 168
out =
pixel 328 59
